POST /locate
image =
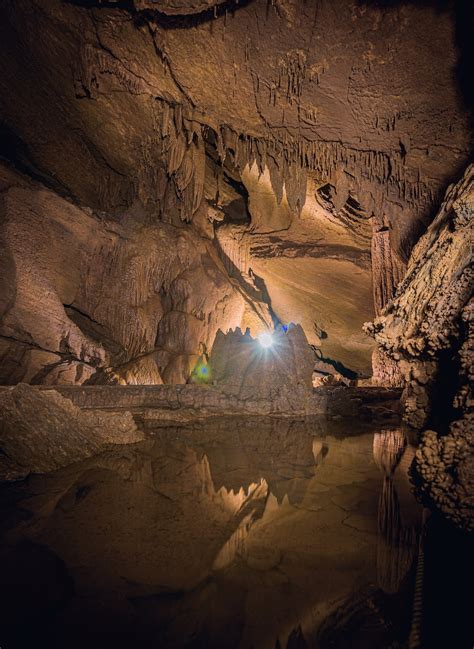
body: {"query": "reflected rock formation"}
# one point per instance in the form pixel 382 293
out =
pixel 396 543
pixel 42 431
pixel 255 533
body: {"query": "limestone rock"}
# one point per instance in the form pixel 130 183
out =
pixel 178 7
pixel 41 431
pixel 87 299
pixel 445 469
pixel 197 114
pixel 240 365
pixel 427 330
pixel 424 321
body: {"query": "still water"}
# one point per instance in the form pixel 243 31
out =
pixel 248 534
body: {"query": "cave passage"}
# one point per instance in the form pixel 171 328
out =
pixel 236 324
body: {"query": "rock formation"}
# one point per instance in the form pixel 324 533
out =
pixel 427 330
pixel 181 166
pixel 239 363
pixel 84 299
pixel 397 536
pixel 41 431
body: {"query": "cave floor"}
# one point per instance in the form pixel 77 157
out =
pixel 246 532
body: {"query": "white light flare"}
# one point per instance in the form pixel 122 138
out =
pixel 265 340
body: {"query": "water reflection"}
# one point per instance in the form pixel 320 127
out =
pixel 252 533
pixel 397 531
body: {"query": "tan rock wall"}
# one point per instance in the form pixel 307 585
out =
pixel 91 299
pixel 427 331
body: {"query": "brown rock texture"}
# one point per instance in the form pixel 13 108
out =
pixel 427 329
pixel 178 7
pixel 240 366
pixel 164 405
pixel 315 135
pixel 89 299
pixel 41 431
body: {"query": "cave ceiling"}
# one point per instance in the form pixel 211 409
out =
pixel 287 135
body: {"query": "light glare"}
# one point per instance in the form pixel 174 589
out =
pixel 265 340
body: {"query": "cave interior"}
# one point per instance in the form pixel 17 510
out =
pixel 236 323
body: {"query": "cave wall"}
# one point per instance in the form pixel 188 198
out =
pixel 88 299
pixel 311 267
pixel 318 135
pixel 427 331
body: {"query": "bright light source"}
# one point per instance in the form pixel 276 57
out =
pixel 266 340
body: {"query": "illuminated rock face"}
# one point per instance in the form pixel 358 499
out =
pixel 89 300
pixel 427 330
pixel 215 165
pixel 244 366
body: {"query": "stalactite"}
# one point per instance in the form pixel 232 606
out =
pixel 276 178
pixel 387 269
pixel 295 187
pixel 199 165
pixel 292 73
pixel 95 61
pixel 288 159
pixel 182 146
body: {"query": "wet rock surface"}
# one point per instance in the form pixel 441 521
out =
pixel 41 431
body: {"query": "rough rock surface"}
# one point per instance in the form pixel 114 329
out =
pixel 90 299
pixel 445 468
pixel 240 365
pixel 163 404
pixel 428 322
pixel 319 128
pixel 41 431
pixel 368 118
pixel 428 331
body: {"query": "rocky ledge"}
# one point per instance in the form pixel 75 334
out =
pixel 183 403
pixel 41 431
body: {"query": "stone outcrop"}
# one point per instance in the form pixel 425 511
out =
pixel 163 405
pixel 427 329
pixel 240 365
pixel 444 465
pixel 428 321
pixel 41 431
pixel 86 298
